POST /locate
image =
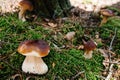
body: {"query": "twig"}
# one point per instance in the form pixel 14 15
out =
pixel 110 48
pixel 112 39
pixel 77 75
pixel 112 62
pixel 101 77
pixel 56 47
pixel 111 66
pixel 110 72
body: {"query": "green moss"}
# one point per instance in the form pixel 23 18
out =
pixel 68 62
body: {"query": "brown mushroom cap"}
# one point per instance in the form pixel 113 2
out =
pixel 38 48
pixel 107 12
pixel 89 45
pixel 26 4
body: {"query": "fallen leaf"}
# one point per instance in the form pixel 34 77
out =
pixel 104 54
pixel 81 47
pixel 104 73
pixel 106 58
pixel 69 35
pixel 117 73
pixel 106 63
pixel 112 53
pixel 52 24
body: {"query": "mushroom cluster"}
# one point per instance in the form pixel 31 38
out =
pixel 34 50
pixel 25 5
pixel 89 46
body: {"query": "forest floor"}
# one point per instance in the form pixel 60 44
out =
pixel 65 60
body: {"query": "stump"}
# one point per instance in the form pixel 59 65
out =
pixel 51 8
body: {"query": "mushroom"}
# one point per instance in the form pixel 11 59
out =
pixel 34 50
pixel 89 46
pixel 25 5
pixel 106 13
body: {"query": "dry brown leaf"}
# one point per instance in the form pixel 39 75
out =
pixel 81 47
pixel 106 63
pixel 69 35
pixel 104 54
pixel 104 73
pixel 106 58
pixel 112 53
pixel 52 24
pixel 117 73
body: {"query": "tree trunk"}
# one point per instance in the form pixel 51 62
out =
pixel 51 8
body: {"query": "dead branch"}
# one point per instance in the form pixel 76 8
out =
pixel 112 40
pixel 110 72
pixel 101 77
pixel 112 62
pixel 56 47
pixel 111 66
pixel 110 48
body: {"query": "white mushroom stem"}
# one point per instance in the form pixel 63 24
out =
pixel 22 14
pixel 88 54
pixel 34 65
pixel 104 20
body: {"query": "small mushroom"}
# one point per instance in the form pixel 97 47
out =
pixel 89 46
pixel 34 50
pixel 106 13
pixel 25 5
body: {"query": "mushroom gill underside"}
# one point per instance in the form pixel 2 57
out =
pixel 34 65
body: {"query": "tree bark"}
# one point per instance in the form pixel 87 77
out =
pixel 51 8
